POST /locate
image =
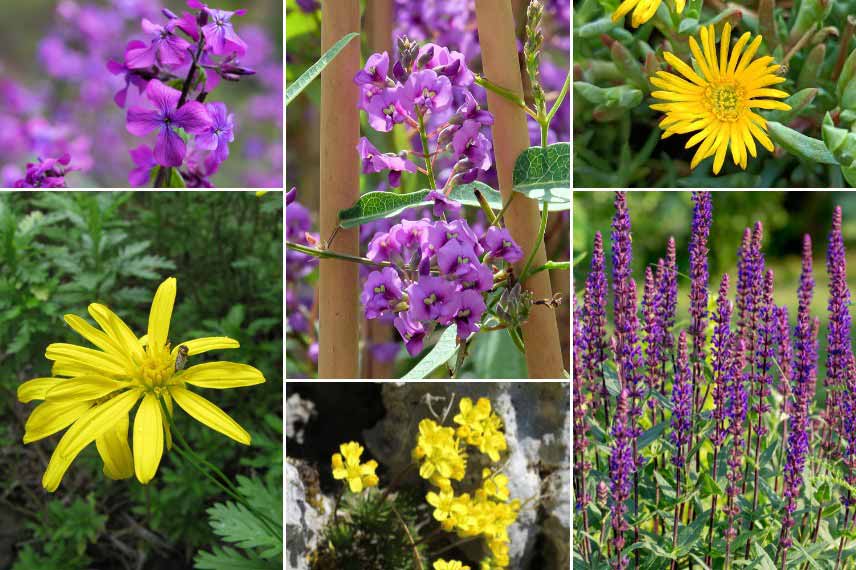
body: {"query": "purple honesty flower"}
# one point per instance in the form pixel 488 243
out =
pixel 433 299
pixel 220 35
pixel 500 245
pixel 456 258
pixel 381 292
pixel 375 71
pixel 219 133
pixel 469 313
pixel 412 331
pixel 383 109
pixel 144 160
pixel 131 75
pixel 721 356
pixel 46 173
pixel 621 469
pixel 442 203
pixel 376 161
pixel 166 48
pixel 594 322
pixel 192 117
pixel 699 277
pixel 839 350
pixel 426 91
pixel 682 403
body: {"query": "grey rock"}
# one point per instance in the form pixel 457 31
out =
pixel 303 522
pixel 298 413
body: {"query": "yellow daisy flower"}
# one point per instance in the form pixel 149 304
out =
pixel 643 10
pixel 359 476
pixel 450 565
pixel 94 391
pixel 719 102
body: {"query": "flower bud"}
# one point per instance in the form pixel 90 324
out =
pixel 169 14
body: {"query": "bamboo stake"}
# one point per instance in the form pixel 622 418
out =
pixel 378 25
pixel 338 339
pixel 511 137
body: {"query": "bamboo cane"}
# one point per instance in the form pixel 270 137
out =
pixel 338 284
pixel 511 137
pixel 378 25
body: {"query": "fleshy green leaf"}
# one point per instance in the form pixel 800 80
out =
pixel 800 145
pixel 293 89
pixel 842 144
pixel 544 174
pixel 445 348
pixel 618 97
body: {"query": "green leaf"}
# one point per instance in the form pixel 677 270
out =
pixel 544 174
pixel 596 28
pixel 800 145
pixel 379 205
pixel 235 524
pixel 842 144
pixel 231 559
pixel 293 89
pixel 651 434
pixel 618 97
pixel 495 356
pixel 708 486
pixel 445 348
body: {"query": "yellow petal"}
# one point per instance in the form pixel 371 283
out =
pixel 116 329
pixel 148 438
pixel 50 417
pixel 95 336
pixel 748 54
pixel 84 431
pixel 161 313
pixel 36 389
pixel 735 53
pixel 200 345
pixel 95 361
pixel 684 69
pixel 84 388
pixel 221 375
pixel 724 44
pixel 623 8
pixel 721 145
pixel 207 413
pixel 700 59
pixel 115 452
pixel 356 485
pixel 768 104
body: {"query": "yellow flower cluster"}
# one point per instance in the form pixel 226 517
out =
pixel 450 565
pixel 441 453
pixel 358 476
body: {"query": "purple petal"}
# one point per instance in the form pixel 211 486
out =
pixel 139 58
pixel 141 121
pixel 170 148
pixel 163 97
pixel 192 117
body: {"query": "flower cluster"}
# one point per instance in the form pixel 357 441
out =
pixel 299 297
pixel 429 85
pixel 347 467
pixel 203 41
pixel 47 173
pixel 441 271
pixel 488 511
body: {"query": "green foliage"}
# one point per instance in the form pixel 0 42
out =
pixel 543 174
pixel 61 538
pixel 445 348
pixel 294 88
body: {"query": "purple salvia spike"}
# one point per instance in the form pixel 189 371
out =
pixel 848 409
pixel 765 350
pixel 784 354
pixel 737 408
pixel 667 287
pixel 594 326
pixel 621 470
pixel 699 277
pixel 652 329
pixel 839 350
pixel 721 356
pixel 581 406
pixel 681 403
pixel 744 267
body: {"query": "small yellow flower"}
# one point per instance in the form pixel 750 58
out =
pixel 358 475
pixel 718 103
pixel 450 565
pixel 496 486
pixel 440 453
pixel 644 10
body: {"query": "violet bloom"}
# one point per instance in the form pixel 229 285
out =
pixel 219 133
pixel 46 173
pixel 442 232
pixel 621 470
pixel 699 277
pixel 383 109
pixel 469 313
pixel 144 160
pixel 166 118
pixel 383 247
pixel 784 354
pixel 446 63
pixel 381 292
pixel 594 322
pixel 131 75
pixel 721 360
pixel 737 407
pixel 376 161
pixel 433 299
pixel 442 203
pixel 456 258
pixel 682 403
pixel 412 331
pixel 652 328
pixel 166 48
pixel 580 411
pixel 667 291
pixel 375 70
pixel 764 351
pixel 220 35
pixel 291 195
pixel 471 143
pixel 500 245
pixel 839 350
pixel 427 92
pixel 479 279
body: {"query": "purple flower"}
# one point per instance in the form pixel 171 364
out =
pixel 46 173
pixel 699 277
pixel 442 232
pixel 381 292
pixel 446 63
pixel 471 111
pixel 219 133
pixel 165 48
pixel 471 143
pixel 442 203
pixel 192 117
pixel 469 313
pixel 433 299
pixel 667 292
pixel 412 331
pixel 839 350
pixel 594 323
pixel 621 469
pixel 581 408
pixel 784 354
pixel 653 329
pixel 682 403
pixel 427 91
pixel 480 278
pixel 291 195
pixel 375 71
pixel 765 350
pixel 500 245
pixel 144 160
pixel 220 35
pixel 456 258
pixel 410 234
pixel 375 161
pixel 383 247
pixel 131 75
pixel 308 6
pixel 383 109
pixel 721 360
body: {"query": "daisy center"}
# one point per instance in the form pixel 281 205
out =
pixel 156 369
pixel 724 101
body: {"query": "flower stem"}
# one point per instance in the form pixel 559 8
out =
pixel 541 229
pixel 506 93
pixel 428 163
pixel 560 99
pixel 330 254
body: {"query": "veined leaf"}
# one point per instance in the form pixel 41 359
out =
pixel 544 174
pixel 445 348
pixel 293 89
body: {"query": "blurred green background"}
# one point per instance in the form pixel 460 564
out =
pixel 61 251
pixel 786 217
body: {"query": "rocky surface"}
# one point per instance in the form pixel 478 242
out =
pixel 303 522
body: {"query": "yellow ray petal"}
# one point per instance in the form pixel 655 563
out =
pixel 684 69
pixel 161 313
pixel 95 336
pixel 623 9
pixel 708 43
pixel 84 431
pixel 96 361
pixel 207 413
pixel 221 375
pixel 747 137
pixel 768 104
pixel 116 328
pixel 748 54
pixel 721 146
pixel 700 60
pixel 36 389
pixel 724 44
pixel 114 450
pixel 200 345
pixel 167 399
pixel 735 53
pixel 84 388
pixel 50 417
pixel 766 93
pixel 761 136
pixel 148 438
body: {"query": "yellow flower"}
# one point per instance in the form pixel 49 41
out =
pixel 480 427
pixel 450 565
pixel 719 102
pixel 94 391
pixel 358 475
pixel 439 452
pixel 644 10
pixel 496 486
